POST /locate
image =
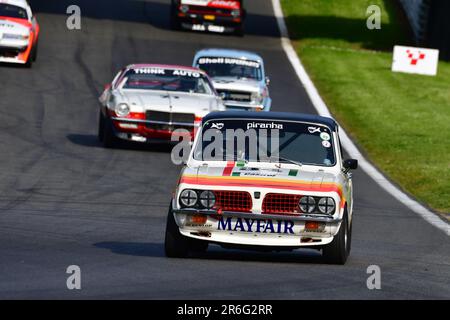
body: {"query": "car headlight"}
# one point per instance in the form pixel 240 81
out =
pixel 236 13
pixel 326 205
pixel 184 8
pixel 208 199
pixel 122 110
pixel 257 98
pixel 15 36
pixel 188 198
pixel 307 204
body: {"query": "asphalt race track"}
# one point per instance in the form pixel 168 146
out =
pixel 64 200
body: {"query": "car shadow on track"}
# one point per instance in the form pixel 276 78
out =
pixel 133 248
pixel 156 250
pixel 91 141
pixel 297 256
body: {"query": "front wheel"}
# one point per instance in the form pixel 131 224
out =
pixel 108 137
pixel 239 31
pixel 175 24
pixel 175 244
pixel 29 62
pixel 35 50
pixel 338 250
pixel 101 127
pixel 178 246
pixel 174 21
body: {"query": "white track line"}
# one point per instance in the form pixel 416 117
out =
pixel 347 143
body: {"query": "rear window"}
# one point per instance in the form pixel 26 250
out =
pixel 8 10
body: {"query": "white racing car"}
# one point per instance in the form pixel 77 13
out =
pixel 238 76
pixel 297 195
pixel 148 102
pixel 19 33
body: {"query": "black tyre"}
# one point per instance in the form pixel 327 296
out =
pixel 175 244
pixel 175 24
pixel 109 138
pixel 174 21
pixel 178 246
pixel 35 51
pixel 29 62
pixel 338 250
pixel 101 126
pixel 239 31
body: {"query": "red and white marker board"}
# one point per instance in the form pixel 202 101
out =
pixel 415 60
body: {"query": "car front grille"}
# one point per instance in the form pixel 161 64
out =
pixel 157 116
pixel 171 121
pixel 209 10
pixel 239 201
pixel 237 96
pixel 9 52
pixel 278 203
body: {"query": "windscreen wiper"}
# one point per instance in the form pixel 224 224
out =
pixel 289 161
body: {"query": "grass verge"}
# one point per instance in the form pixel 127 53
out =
pixel 401 121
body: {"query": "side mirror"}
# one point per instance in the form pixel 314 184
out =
pixel 350 164
pixel 267 80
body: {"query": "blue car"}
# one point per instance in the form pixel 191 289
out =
pixel 238 76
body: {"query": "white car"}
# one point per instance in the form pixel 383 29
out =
pixel 238 76
pixel 148 102
pixel 19 33
pixel 299 197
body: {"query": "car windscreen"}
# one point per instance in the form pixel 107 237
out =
pixel 167 80
pixel 8 10
pixel 231 67
pixel 266 141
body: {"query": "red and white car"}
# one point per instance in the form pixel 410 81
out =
pixel 220 16
pixel 150 102
pixel 19 32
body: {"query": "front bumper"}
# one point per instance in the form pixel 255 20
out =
pixel 236 106
pixel 14 54
pixel 200 22
pixel 265 105
pixel 256 229
pixel 150 131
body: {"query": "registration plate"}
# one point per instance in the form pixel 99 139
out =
pixel 198 27
pixel 211 28
pixel 218 29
